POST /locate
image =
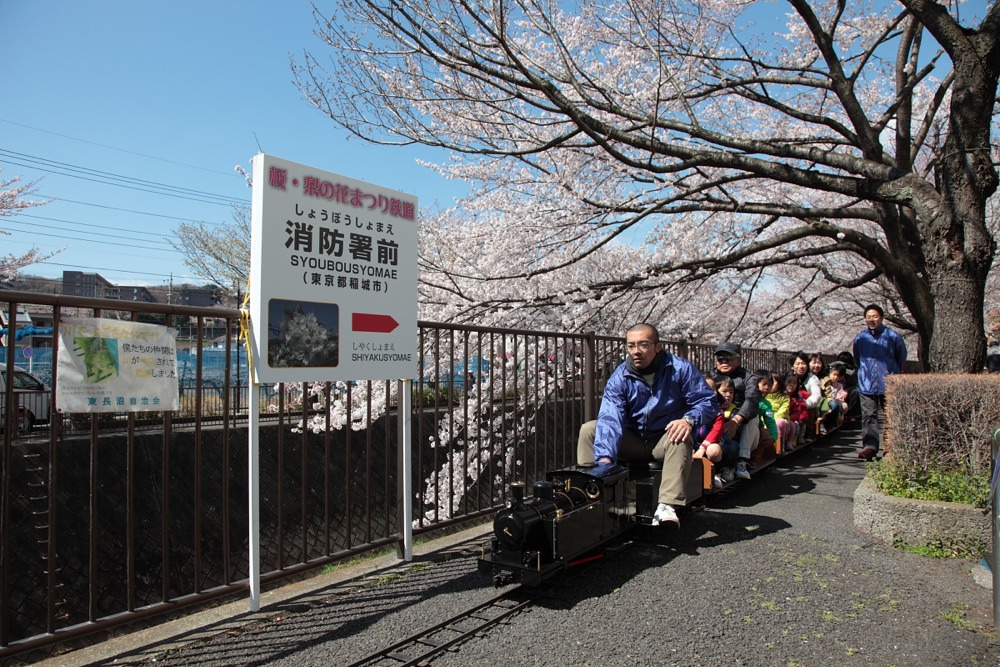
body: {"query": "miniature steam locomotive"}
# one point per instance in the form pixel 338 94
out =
pixel 577 509
pixel 570 513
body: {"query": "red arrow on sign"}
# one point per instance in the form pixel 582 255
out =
pixel 373 323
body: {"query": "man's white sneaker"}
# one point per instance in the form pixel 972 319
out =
pixel 741 470
pixel 665 514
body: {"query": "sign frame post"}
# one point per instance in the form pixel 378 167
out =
pixel 333 297
pixel 406 469
pixel 253 480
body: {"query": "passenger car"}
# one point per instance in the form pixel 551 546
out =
pixel 33 398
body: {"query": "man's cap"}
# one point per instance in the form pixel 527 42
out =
pixel 727 348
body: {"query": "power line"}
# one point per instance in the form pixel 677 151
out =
pixel 120 185
pixel 128 210
pixel 106 270
pixel 56 164
pixel 114 148
pixel 85 224
pixel 162 248
pixel 101 242
pixel 109 178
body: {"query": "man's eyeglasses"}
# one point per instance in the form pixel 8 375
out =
pixel 724 357
pixel 641 345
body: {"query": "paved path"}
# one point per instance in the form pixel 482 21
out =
pixel 773 573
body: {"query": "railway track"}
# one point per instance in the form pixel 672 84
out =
pixel 419 648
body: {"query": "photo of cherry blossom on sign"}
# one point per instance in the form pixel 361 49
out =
pixel 302 334
pixel 100 357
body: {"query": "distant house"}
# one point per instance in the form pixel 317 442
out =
pixel 205 297
pixel 219 343
pixel 22 321
pixel 131 293
pixel 93 285
pixel 90 285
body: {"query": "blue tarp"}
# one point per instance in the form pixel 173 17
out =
pixel 29 330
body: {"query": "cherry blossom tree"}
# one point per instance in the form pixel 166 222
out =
pixel 217 253
pixel 463 279
pixel 845 146
pixel 14 199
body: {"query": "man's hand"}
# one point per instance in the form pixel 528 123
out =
pixel 679 430
pixel 730 427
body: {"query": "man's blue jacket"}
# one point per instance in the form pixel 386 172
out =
pixel 878 353
pixel 678 390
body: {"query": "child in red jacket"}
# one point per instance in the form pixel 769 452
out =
pixel 798 413
pixel 710 441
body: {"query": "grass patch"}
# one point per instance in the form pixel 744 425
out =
pixel 934 483
pixel 969 549
pixel 956 616
pixel 887 603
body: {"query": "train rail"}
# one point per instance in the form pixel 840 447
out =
pixel 419 648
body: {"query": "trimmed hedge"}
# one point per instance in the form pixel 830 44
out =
pixel 938 429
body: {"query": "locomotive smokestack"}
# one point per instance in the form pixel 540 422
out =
pixel 542 490
pixel 517 494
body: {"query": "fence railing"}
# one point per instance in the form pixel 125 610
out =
pixel 109 519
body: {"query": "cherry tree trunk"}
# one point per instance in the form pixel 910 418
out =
pixel 958 343
pixel 956 241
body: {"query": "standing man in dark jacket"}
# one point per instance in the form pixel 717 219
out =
pixel 743 425
pixel 652 404
pixel 878 351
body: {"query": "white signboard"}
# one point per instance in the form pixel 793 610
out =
pixel 333 277
pixel 116 366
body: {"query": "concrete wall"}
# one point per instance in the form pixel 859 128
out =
pixel 918 522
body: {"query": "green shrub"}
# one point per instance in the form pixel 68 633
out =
pixel 931 483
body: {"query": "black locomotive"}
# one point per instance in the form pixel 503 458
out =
pixel 579 508
pixel 572 512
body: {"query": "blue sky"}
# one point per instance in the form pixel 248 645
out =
pixel 175 94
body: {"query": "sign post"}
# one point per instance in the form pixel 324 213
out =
pixel 333 288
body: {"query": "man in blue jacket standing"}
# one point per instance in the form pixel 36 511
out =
pixel 652 404
pixel 878 352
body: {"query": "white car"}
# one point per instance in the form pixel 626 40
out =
pixel 33 397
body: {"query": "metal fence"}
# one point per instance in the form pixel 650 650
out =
pixel 112 518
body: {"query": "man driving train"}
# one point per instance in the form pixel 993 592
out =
pixel 652 404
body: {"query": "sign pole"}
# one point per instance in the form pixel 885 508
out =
pixel 995 503
pixel 253 451
pixel 405 388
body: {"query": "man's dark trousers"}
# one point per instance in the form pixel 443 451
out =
pixel 872 414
